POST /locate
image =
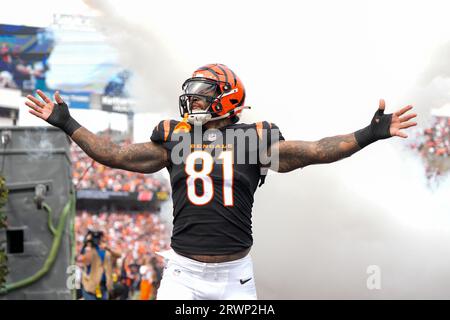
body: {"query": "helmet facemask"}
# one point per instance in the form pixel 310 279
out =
pixel 203 89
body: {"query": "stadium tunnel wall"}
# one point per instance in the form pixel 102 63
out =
pixel 32 156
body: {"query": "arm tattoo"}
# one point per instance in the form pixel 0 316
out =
pixel 299 154
pixel 98 148
pixel 139 157
pixel 335 148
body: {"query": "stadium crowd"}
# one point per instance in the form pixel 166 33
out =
pixel 433 145
pixel 89 174
pixel 134 236
pixel 434 140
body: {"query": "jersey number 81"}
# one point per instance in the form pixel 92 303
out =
pixel 204 176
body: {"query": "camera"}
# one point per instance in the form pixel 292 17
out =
pixel 93 237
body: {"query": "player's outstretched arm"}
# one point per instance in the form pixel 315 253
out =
pixel 140 157
pixel 299 154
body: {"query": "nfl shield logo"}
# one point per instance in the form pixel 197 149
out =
pixel 212 137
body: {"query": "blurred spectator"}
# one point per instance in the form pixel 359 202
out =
pixel 6 68
pixel 15 72
pixel 116 86
pixel 148 277
pixel 137 237
pixel 433 145
pixel 434 140
pixel 97 260
pixel 88 174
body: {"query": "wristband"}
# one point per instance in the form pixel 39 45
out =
pixel 378 129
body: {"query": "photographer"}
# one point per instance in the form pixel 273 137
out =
pixel 98 260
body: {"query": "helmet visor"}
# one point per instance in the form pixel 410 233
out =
pixel 201 87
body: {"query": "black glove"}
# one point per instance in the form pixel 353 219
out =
pixel 60 117
pixel 377 130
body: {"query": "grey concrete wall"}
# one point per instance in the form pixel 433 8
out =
pixel 33 155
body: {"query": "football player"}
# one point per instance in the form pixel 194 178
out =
pixel 215 165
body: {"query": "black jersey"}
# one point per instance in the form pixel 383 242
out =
pixel 214 184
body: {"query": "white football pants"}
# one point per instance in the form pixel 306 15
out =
pixel 187 279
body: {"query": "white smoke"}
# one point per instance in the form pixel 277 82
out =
pixel 432 87
pixel 372 209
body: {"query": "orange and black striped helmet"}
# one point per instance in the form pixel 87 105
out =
pixel 218 85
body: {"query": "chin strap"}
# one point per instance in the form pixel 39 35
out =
pixel 199 119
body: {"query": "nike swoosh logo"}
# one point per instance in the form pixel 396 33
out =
pixel 245 281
